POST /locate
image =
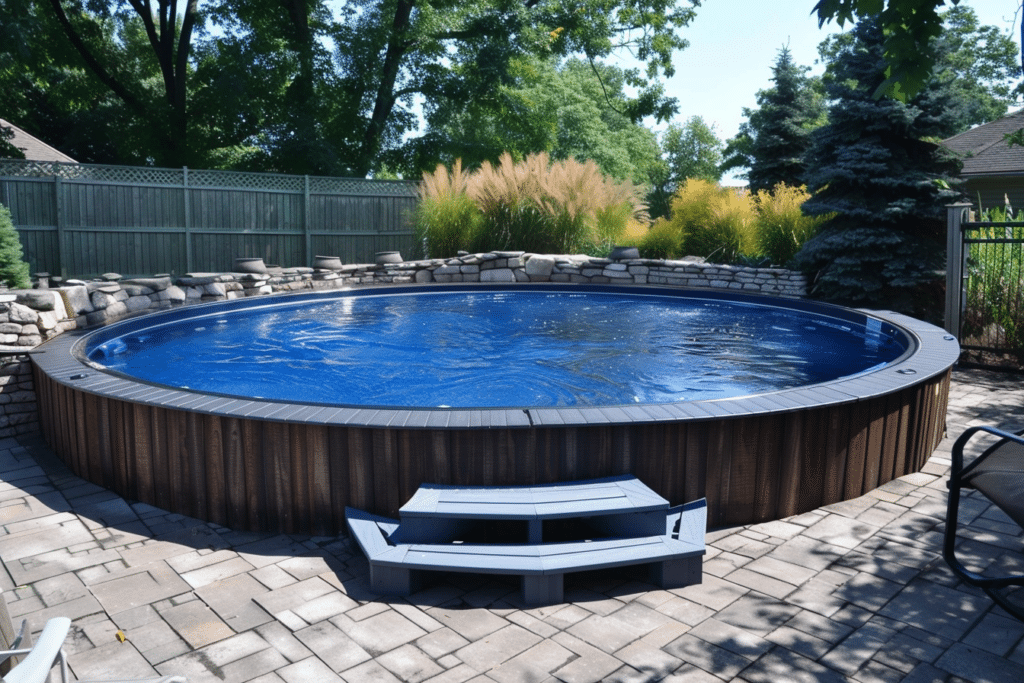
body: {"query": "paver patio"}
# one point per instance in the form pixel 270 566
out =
pixel 856 591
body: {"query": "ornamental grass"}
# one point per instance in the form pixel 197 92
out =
pixel 534 205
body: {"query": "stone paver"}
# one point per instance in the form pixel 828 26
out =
pixel 854 592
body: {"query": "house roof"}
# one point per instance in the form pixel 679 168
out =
pixel 34 148
pixel 983 150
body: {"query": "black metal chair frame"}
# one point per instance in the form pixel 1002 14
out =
pixel 958 471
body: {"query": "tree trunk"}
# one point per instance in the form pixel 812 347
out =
pixel 385 100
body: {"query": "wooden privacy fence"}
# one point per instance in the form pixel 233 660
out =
pixel 83 220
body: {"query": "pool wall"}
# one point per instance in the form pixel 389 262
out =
pixel 297 477
pixel 260 465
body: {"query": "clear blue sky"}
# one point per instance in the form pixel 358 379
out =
pixel 734 43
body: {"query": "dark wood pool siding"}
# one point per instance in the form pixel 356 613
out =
pixel 296 477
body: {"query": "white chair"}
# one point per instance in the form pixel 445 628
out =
pixel 48 651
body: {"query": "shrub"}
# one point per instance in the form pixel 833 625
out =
pixel 534 205
pixel 693 204
pixel 782 228
pixel 661 241
pixel 732 226
pixel 446 219
pixel 709 221
pixel 13 268
pixel 728 234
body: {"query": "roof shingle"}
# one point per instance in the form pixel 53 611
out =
pixel 985 152
pixel 34 148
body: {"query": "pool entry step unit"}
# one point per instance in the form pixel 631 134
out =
pixel 537 532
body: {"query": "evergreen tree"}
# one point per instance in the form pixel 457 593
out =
pixel 875 168
pixel 13 269
pixel 775 139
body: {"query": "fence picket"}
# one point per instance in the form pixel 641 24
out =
pixel 84 220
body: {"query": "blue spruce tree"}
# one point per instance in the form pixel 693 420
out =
pixel 875 167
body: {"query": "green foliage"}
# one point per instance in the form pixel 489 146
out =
pixel 726 225
pixel 708 221
pixel 692 150
pixel 774 141
pixel 13 268
pixel 534 205
pixel 782 226
pixel 980 65
pixel 570 110
pixel 907 50
pixel 994 286
pixel 303 87
pixel 729 235
pixel 977 65
pixel 994 290
pixel 694 204
pixel 444 226
pixel 661 241
pixel 873 167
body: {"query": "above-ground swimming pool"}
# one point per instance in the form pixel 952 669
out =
pixel 499 348
pixel 280 411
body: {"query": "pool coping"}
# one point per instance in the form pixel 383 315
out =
pixel 934 352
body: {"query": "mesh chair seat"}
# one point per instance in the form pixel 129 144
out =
pixel 1000 476
pixel 998 473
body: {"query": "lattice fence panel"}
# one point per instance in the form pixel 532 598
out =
pixel 362 186
pixel 144 175
pixel 122 175
pixel 247 181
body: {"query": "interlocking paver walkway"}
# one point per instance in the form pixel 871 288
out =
pixel 856 591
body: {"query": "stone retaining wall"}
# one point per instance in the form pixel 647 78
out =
pixel 30 317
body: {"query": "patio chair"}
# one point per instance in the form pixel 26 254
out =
pixel 998 473
pixel 47 652
pixel 19 642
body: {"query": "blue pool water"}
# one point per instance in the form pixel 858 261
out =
pixel 505 348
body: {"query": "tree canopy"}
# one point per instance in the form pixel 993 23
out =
pixel 980 65
pixel 570 110
pixel 874 167
pixel 303 86
pixel 690 150
pixel 976 64
pixel 908 28
pixel 774 140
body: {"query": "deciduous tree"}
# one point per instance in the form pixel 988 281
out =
pixel 976 64
pixel 691 150
pixel 573 110
pixel 908 26
pixel 308 86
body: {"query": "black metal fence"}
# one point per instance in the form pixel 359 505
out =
pixel 986 310
pixel 84 220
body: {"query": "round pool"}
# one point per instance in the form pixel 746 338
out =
pixel 283 410
pixel 497 348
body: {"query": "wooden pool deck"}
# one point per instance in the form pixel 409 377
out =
pixel 855 591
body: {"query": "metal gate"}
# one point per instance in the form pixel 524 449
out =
pixel 985 289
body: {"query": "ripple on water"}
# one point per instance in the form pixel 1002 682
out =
pixel 502 349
